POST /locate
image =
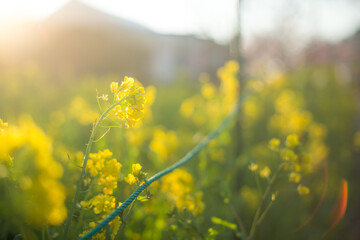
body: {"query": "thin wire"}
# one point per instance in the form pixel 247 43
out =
pixel 166 171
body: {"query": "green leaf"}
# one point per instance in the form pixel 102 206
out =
pixel 224 223
pixel 142 198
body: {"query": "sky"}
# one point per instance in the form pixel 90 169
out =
pixel 332 20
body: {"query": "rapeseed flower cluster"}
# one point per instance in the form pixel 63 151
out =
pixel 40 197
pixel 137 176
pixel 164 143
pixel 105 168
pixel 229 88
pixel 214 102
pixel 291 121
pixel 289 116
pixel 207 109
pixel 295 161
pixel 178 186
pixel 105 172
pixel 126 109
pixel 131 98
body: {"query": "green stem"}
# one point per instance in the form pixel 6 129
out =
pixel 258 184
pixel 264 213
pixel 259 210
pixel 239 221
pixel 86 157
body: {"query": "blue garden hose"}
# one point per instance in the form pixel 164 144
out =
pixel 225 123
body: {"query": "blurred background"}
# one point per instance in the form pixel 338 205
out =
pixel 54 55
pixel 155 41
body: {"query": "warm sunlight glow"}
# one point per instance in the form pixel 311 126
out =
pixel 19 9
pixel 209 18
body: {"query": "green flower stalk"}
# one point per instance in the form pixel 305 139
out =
pixel 126 110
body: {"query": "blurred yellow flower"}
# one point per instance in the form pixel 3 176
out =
pixel 274 144
pixel 114 87
pixel 273 196
pixel 39 183
pixel 253 167
pixel 302 190
pixel 3 125
pixel 288 155
pixel 292 140
pixel 229 87
pixel 187 108
pixel 208 90
pixel 265 172
pixel 252 109
pixel 164 143
pixel 178 187
pixel 150 94
pixel 294 177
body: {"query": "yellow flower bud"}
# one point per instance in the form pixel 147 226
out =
pixel 136 169
pixel 273 196
pixel 114 87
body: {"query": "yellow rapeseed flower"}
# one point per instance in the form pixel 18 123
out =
pixel 273 196
pixel 136 168
pixel 274 144
pixel 3 125
pixel 114 87
pixel 39 184
pixel 292 140
pixel 100 204
pixel 252 109
pixel 187 108
pixel 253 167
pixel 164 143
pixel 302 190
pixel 105 168
pixel 130 179
pixel 265 172
pixel 132 98
pixel 288 155
pixel 294 177
pixel 208 90
pixel 178 187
